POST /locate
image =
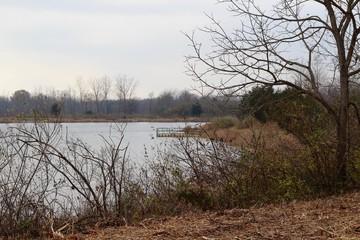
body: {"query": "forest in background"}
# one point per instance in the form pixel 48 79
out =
pixel 168 104
pixel 105 96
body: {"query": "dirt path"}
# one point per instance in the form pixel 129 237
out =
pixel 331 218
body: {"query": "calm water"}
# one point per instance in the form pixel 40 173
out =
pixel 60 193
pixel 139 135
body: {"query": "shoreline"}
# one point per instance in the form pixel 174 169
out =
pixel 98 119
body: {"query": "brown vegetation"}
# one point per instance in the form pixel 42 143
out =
pixel 200 189
pixel 327 218
pixel 330 218
pixel 270 133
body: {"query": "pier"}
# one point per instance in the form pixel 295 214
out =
pixel 176 132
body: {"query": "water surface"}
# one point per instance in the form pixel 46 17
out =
pixel 138 135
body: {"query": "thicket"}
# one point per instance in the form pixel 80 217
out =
pixel 296 159
pixel 314 128
pixel 52 184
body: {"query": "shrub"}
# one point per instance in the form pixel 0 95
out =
pixel 225 122
pixel 247 122
pixel 270 167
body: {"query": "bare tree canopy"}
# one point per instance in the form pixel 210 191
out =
pixel 124 89
pixel 100 88
pixel 311 46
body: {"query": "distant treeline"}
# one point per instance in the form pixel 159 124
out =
pixel 169 103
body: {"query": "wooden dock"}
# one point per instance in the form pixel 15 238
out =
pixel 176 132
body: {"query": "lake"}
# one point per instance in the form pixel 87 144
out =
pixel 71 184
pixel 139 135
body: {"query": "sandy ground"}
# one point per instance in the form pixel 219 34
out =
pixel 330 218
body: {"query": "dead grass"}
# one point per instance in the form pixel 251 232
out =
pixel 270 134
pixel 330 218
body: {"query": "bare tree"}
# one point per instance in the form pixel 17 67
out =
pixel 106 82
pixel 59 178
pixel 82 92
pixel 151 99
pixel 100 88
pixel 164 105
pixel 124 89
pixel 67 99
pixel 21 102
pixel 292 39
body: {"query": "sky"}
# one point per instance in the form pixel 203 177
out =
pixel 48 44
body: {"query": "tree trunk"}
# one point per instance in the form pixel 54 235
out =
pixel 341 151
pixel 342 130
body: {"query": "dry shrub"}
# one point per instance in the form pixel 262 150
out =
pixel 51 184
pixel 257 165
pixel 225 122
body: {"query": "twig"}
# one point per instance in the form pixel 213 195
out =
pixel 332 234
pixel 231 224
pixel 57 233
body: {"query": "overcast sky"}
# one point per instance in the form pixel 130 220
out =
pixel 47 44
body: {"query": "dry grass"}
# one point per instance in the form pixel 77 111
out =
pixel 331 218
pixel 270 134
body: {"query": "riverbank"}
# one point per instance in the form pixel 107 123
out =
pixel 332 217
pixel 328 218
